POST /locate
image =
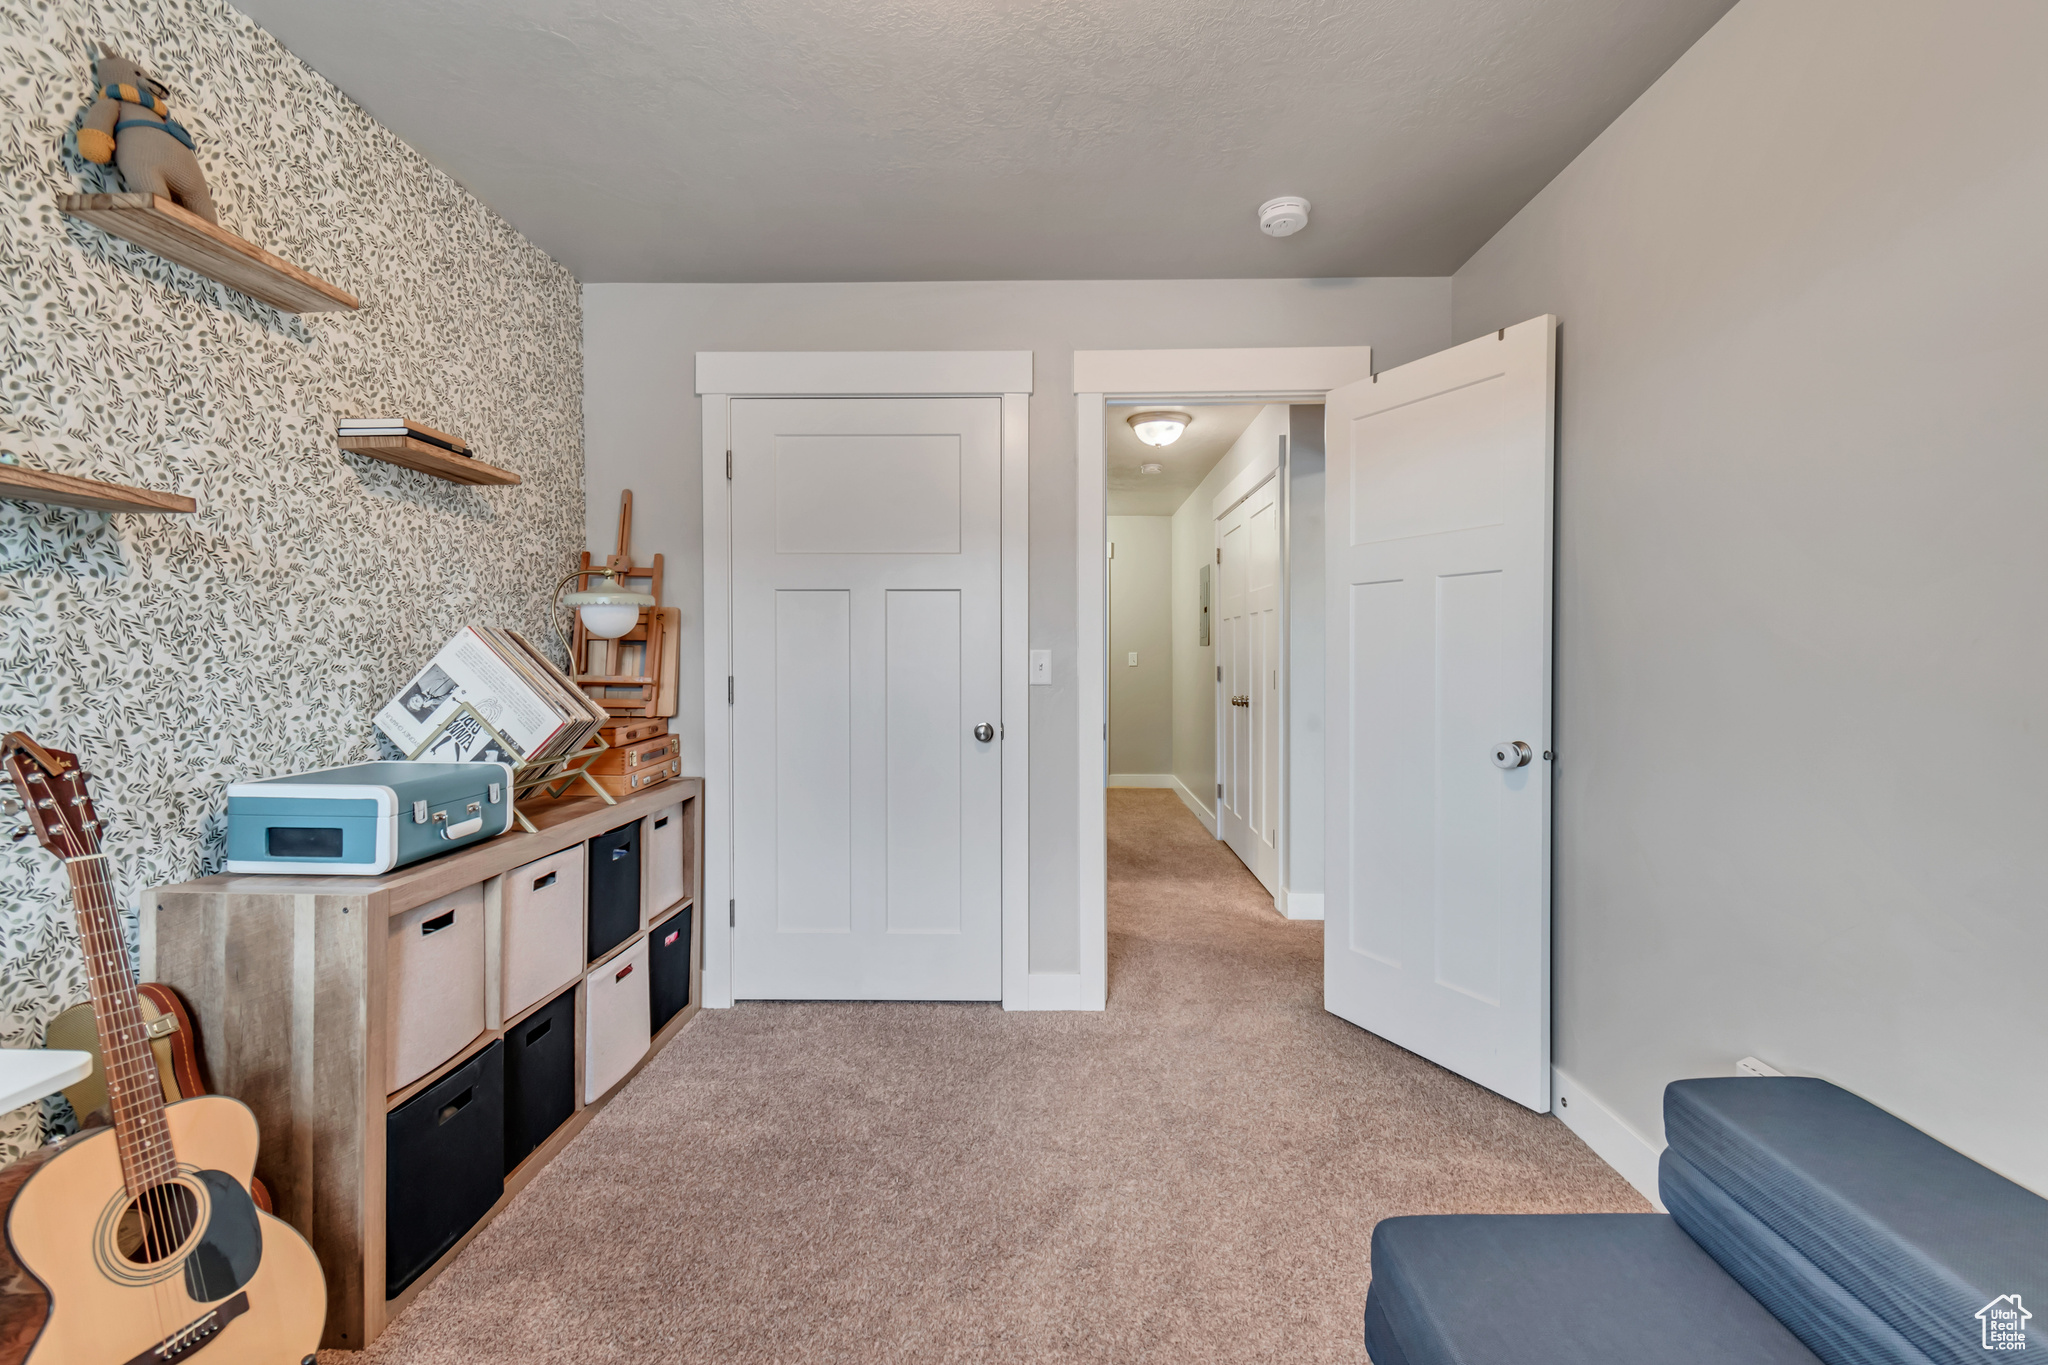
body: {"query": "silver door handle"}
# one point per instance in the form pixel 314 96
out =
pixel 984 732
pixel 1513 754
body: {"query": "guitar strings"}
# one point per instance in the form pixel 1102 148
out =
pixel 121 1037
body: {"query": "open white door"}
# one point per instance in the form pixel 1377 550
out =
pixel 1437 933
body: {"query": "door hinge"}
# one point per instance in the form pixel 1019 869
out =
pixel 728 464
pixel 1219 791
pixel 728 689
pixel 732 914
pixel 1219 554
pixel 1219 673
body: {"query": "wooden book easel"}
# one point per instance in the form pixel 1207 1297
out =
pixel 598 665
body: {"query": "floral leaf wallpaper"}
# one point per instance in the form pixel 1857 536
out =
pixel 177 654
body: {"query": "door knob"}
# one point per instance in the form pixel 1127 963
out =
pixel 1513 754
pixel 984 732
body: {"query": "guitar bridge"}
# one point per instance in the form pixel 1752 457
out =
pixel 194 1334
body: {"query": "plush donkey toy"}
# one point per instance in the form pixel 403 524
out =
pixel 130 124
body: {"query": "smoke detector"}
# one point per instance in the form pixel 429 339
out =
pixel 1283 217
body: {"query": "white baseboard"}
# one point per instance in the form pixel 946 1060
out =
pixel 1205 812
pixel 1304 905
pixel 1142 779
pixel 1052 991
pixel 1611 1139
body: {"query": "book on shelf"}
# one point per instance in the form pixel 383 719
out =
pixel 394 426
pixel 530 702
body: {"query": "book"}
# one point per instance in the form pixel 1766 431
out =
pixel 531 712
pixel 394 426
pixel 587 716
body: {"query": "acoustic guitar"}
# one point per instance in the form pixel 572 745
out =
pixel 144 1234
pixel 174 1043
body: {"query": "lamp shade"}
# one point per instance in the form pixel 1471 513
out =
pixel 609 613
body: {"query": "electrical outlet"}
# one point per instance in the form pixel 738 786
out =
pixel 1750 1066
pixel 1132 661
pixel 1041 668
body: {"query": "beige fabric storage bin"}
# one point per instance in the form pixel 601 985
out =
pixel 540 943
pixel 662 886
pixel 434 984
pixel 616 1020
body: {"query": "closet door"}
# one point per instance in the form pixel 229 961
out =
pixel 1248 651
pixel 866 698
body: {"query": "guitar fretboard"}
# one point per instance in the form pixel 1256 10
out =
pixel 136 1094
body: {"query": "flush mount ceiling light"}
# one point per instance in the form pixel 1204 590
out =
pixel 1283 217
pixel 1151 467
pixel 1159 428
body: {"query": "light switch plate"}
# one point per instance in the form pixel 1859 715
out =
pixel 1041 668
pixel 1133 661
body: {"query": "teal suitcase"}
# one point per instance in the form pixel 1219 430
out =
pixel 365 818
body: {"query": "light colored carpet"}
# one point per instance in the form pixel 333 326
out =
pixel 1191 1176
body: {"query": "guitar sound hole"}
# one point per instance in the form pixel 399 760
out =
pixel 157 1224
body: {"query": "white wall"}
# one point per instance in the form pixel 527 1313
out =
pixel 1800 806
pixel 1305 651
pixel 1141 622
pixel 641 429
pixel 1194 663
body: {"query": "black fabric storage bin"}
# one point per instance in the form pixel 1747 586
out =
pixel 444 1165
pixel 614 906
pixel 668 967
pixel 540 1076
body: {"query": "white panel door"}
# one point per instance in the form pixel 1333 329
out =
pixel 1248 651
pixel 867 855
pixel 1438 526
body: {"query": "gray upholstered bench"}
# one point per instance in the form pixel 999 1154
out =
pixel 1806 1225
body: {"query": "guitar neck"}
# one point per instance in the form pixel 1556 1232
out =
pixel 133 1087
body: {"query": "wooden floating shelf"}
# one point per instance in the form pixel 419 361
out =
pixel 68 490
pixel 156 224
pixel 427 459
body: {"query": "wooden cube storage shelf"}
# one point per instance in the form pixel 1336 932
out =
pixel 156 224
pixel 287 980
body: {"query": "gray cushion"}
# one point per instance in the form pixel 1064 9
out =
pixel 1916 1232
pixel 1560 1289
pixel 1837 1328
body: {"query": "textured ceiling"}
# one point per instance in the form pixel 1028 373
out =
pixel 644 140
pixel 1133 492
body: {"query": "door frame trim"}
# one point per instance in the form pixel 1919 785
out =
pixel 1270 374
pixel 1006 375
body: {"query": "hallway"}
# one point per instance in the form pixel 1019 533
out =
pixel 1191 1176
